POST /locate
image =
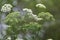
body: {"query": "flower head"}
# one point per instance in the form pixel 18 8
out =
pixel 27 10
pixel 40 6
pixel 36 17
pixel 6 8
pixel 49 39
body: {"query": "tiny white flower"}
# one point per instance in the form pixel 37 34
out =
pixel 49 39
pixel 27 10
pixel 8 5
pixel 6 8
pixel 40 6
pixel 3 9
pixel 34 15
pixel 39 19
pixel 9 38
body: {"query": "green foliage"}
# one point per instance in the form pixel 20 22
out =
pixel 32 26
pixel 20 24
pixel 46 16
pixel 12 18
pixel 23 24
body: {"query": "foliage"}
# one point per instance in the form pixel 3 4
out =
pixel 46 16
pixel 21 24
pixel 18 24
pixel 13 18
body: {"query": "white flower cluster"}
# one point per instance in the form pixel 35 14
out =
pixel 29 11
pixel 49 39
pixel 36 17
pixel 6 8
pixel 40 6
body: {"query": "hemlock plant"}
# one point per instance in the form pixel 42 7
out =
pixel 29 23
